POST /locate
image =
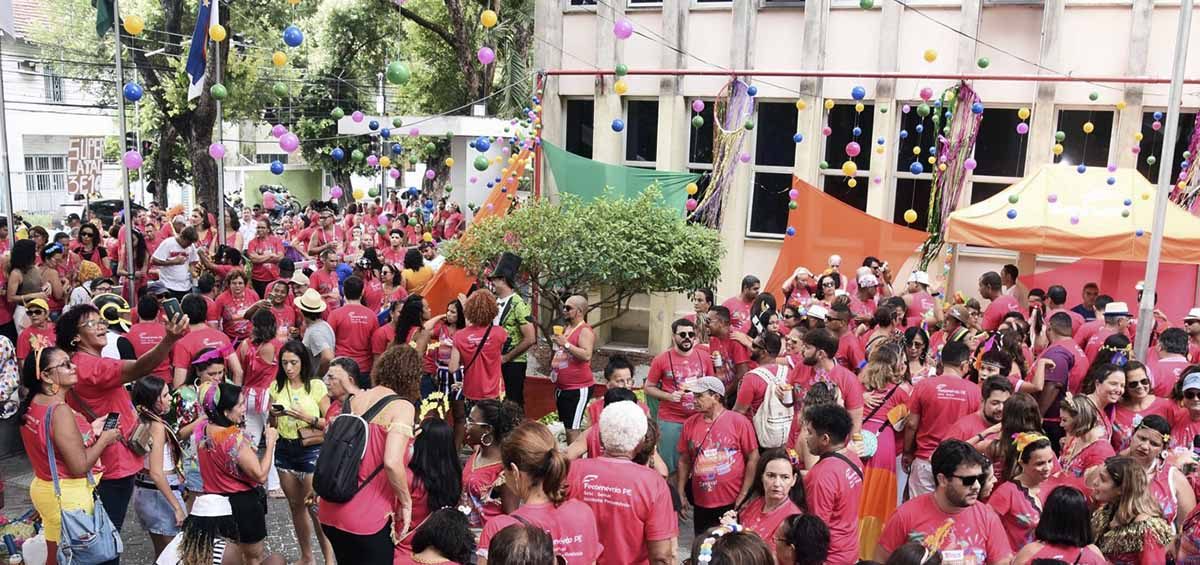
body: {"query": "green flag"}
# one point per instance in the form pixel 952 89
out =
pixel 104 16
pixel 589 179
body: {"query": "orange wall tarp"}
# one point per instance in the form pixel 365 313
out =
pixel 826 226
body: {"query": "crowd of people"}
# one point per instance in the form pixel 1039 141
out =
pixel 851 419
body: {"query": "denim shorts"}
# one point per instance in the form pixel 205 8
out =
pixel 291 455
pixel 154 511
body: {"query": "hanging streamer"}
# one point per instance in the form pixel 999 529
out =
pixel 956 142
pixel 731 109
pixel 1186 189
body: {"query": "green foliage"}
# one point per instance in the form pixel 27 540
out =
pixel 616 247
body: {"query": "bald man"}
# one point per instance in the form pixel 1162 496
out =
pixel 571 368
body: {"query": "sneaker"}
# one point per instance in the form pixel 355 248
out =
pixel 276 493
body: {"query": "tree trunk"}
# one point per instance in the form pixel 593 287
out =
pixel 204 117
pixel 167 137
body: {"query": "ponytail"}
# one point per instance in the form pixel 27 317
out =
pixel 531 447
pixel 554 477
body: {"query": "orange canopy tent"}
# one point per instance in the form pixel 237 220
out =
pixel 826 226
pixel 1096 214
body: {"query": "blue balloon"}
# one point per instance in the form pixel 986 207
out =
pixel 413 190
pixel 277 167
pixel 133 91
pixel 858 93
pixel 337 154
pixel 397 149
pixel 791 231
pixel 618 125
pixel 292 36
pixel 385 133
pixel 1111 181
pixel 1139 232
pixel 916 168
pixel 1158 115
pixel 977 108
pixel 857 131
pixel 1012 214
pixel 880 141
pixel 373 125
pixel 933 150
pixel 752 91
pixel 471 144
pixel 937 103
pixel 903 134
pixel 482 145
pixel 1128 202
pixel 798 138
pixel 1081 168
pixel 491 184
pixel 920 128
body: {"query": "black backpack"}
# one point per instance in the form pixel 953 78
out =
pixel 336 476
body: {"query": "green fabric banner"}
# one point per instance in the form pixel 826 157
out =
pixel 588 179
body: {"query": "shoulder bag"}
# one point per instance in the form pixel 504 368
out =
pixel 86 538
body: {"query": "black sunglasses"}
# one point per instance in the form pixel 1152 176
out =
pixel 970 480
pixel 686 335
pixel 1135 384
pixel 1191 394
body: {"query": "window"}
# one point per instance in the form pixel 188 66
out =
pixel 1152 143
pixel 54 84
pixel 781 3
pixel 916 141
pixel 843 120
pixel 913 194
pixel 1078 147
pixel 774 156
pixel 641 133
pixel 583 2
pixel 268 158
pixel 999 154
pixel 45 173
pixel 700 147
pixel 580 115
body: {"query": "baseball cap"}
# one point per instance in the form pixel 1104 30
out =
pixel 868 281
pixel 713 384
pixel 1191 381
pixel 919 277
pixel 38 302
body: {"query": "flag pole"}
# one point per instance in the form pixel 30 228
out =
pixel 221 140
pixel 1146 321
pixel 127 211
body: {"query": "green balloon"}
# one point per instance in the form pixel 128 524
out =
pixel 218 91
pixel 697 122
pixel 823 165
pixel 280 89
pixel 866 4
pixel 412 159
pixel 983 62
pixel 621 69
pixel 397 122
pixel 791 205
pixel 1059 136
pixel 448 135
pixel 398 73
pixel 1013 198
pixel 923 110
pixel 749 125
pixel 373 192
pixel 357 155
pixel 1187 154
pixel 337 113
pixel 482 163
pixel 412 221
pixel 946 130
pixel 1151 160
pixel 449 189
pixel 883 110
pixel 430 147
pixel 1094 96
pixel 382 230
pixel 1125 213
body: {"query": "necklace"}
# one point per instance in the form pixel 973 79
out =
pixel 418 559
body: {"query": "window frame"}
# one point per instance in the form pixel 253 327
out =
pixel 1183 109
pixel 755 168
pixel 969 193
pixel 1112 139
pixel 625 134
pixel 55 178
pixel 566 100
pixel 54 87
pixel 893 167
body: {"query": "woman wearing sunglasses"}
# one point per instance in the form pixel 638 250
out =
pixel 1185 422
pixel 1136 404
pixel 1129 525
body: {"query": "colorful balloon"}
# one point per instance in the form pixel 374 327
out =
pixel 930 55
pixel 289 142
pixel 488 19
pixel 216 151
pixel 292 36
pixel 278 59
pixel 132 159
pixel 133 91
pixel 133 25
pixel 335 192
pixel 398 73
pixel 276 167
pixel 485 55
pixel 698 105
pixel 337 154
pixel 910 216
pixel 217 32
pixel 357 116
pixel 623 28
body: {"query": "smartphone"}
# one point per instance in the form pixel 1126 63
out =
pixel 278 407
pixel 112 420
pixel 171 308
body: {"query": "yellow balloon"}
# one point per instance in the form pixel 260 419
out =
pixel 930 55
pixel 217 32
pixel 1058 149
pixel 828 104
pixel 427 236
pixel 692 189
pixel 879 149
pixel 279 59
pixel 916 150
pixel 910 216
pixel 941 166
pixel 488 19
pixel 1138 136
pixel 859 107
pixel 1023 113
pixel 358 194
pixel 849 168
pixel 620 87
pixel 1145 196
pixel 852 182
pixel 1088 127
pixel 1121 105
pixel 449 161
pixel 385 161
pixel 134 25
pixel 293 2
pixel 801 105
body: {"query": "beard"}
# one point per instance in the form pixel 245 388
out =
pixel 684 345
pixel 810 361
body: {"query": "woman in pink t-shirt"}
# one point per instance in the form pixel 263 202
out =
pixel 776 494
pixel 1168 485
pixel 1085 445
pixel 1129 525
pixel 1104 385
pixel 537 471
pixel 489 422
pixel 1063 532
pixel 234 302
pixel 481 373
pixel 434 477
pixel 1137 403
pixel 1018 502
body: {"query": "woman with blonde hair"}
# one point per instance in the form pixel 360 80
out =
pixel 886 377
pixel 1086 444
pixel 1129 525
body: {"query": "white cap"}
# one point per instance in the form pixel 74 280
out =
pixel 817 311
pixel 868 281
pixel 801 271
pixel 1193 314
pixel 1116 309
pixel 841 292
pixel 919 277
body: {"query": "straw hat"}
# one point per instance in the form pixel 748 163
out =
pixel 310 301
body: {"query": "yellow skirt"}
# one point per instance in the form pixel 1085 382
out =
pixel 76 495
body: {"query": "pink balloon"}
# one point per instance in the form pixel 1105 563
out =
pixel 357 116
pixel 414 132
pixel 289 142
pixel 1112 167
pixel 278 130
pixel 429 174
pixel 744 157
pixel 216 151
pixel 793 194
pixel 473 180
pixel 1074 220
pixel 623 28
pixel 826 131
pixel 1156 126
pixel 926 93
pixel 1135 149
pixel 697 105
pixel 335 192
pixel 691 204
pixel 394 173
pixel 372 160
pixel 1052 198
pixel 132 160
pixel 969 164
pixel 853 149
pixel 905 109
pixel 1022 128
pixel 486 55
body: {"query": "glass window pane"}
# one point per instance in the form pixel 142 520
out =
pixel 912 194
pixel 842 120
pixel 769 202
pixel 835 186
pixel 981 191
pixel 701 183
pixel 1152 144
pixel 701 147
pixel 909 137
pixel 580 114
pixel 641 131
pixel 1078 147
pixel 999 150
pixel 775 126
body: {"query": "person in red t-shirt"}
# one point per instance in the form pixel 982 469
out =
pixel 570 369
pixel 671 372
pixel 990 288
pixel 739 306
pixel 982 427
pixel 1170 362
pixel 755 386
pixel 477 348
pixel 629 499
pixel 950 518
pixel 834 485
pixel 817 365
pixel 850 353
pixel 325 281
pixel 393 254
pixel 200 335
pixel 147 333
pixel 1116 320
pixel 715 448
pixel 353 325
pixel 233 305
pixel 287 317
pixel 264 253
pixel 730 359
pixel 935 404
pixel 776 495
pixel 40 327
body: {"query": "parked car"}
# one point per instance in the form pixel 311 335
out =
pixel 103 209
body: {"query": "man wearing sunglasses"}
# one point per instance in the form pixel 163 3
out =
pixel 951 516
pixel 670 374
pixel 1191 326
pixel 850 353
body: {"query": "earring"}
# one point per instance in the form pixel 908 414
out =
pixel 486 440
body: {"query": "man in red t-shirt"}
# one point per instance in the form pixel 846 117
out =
pixel 630 500
pixel 950 519
pixel 817 354
pixel 671 372
pixel 834 484
pixel 739 306
pixel 716 448
pixel 730 359
pixel 393 254
pixel 982 427
pixel 353 325
pixel 850 353
pixel 1056 298
pixel 325 281
pixel 1116 320
pixel 200 335
pixel 147 333
pixel 1170 362
pixel 264 253
pixel 754 386
pixel 990 288
pixel 935 404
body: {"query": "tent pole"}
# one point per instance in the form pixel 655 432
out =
pixel 1146 308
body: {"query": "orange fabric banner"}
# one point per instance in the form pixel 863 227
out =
pixel 826 226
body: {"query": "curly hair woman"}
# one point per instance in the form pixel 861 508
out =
pixel 478 348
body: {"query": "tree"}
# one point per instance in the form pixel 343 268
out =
pixel 614 247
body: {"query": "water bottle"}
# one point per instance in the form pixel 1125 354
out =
pixel 689 401
pixel 717 361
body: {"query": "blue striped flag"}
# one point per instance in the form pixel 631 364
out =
pixel 197 61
